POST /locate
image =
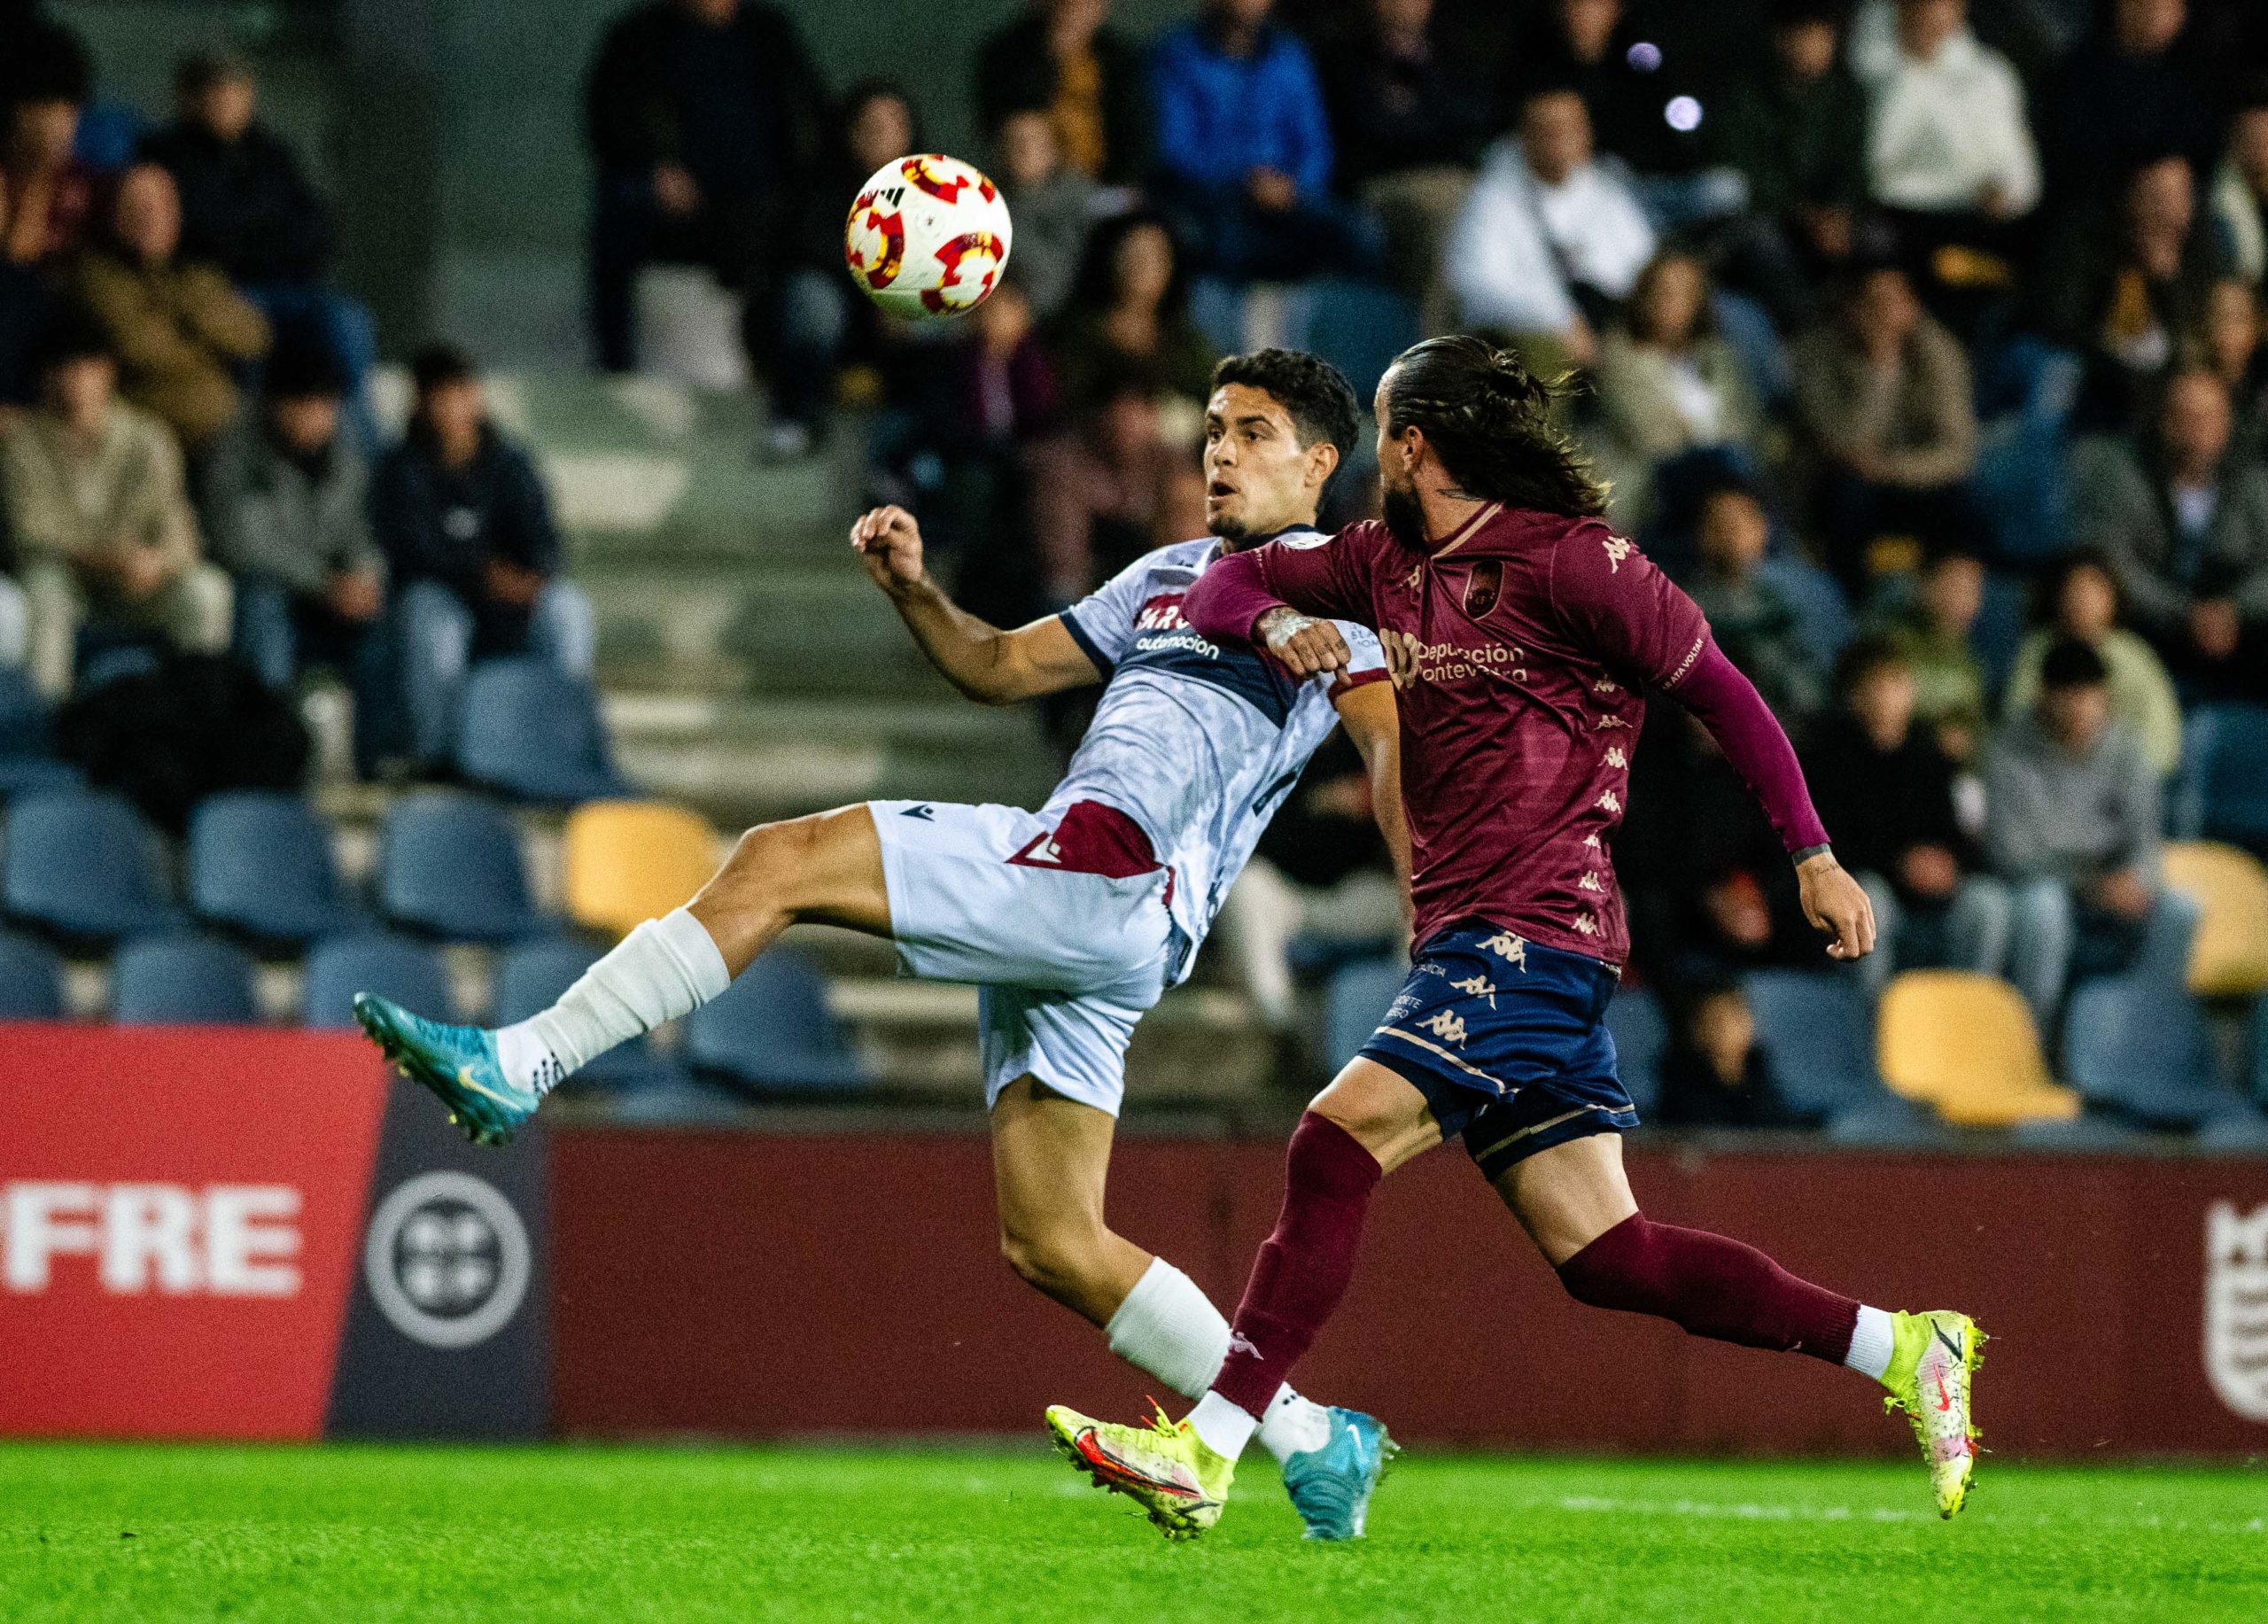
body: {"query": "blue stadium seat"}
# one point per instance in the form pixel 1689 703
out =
pixel 260 862
pixel 449 866
pixel 530 731
pixel 23 716
pixel 531 978
pixel 772 1030
pixel 85 866
pixel 31 980
pixel 1818 1029
pixel 1359 328
pixel 1641 1034
pixel 2129 1047
pixel 409 973
pixel 2223 794
pixel 181 981
pixel 1355 1001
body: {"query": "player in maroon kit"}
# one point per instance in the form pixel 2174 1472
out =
pixel 1520 633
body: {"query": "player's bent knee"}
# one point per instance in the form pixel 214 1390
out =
pixel 1056 1258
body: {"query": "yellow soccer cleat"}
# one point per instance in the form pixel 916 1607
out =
pixel 1163 1467
pixel 1932 1363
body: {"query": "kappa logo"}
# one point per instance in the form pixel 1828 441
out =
pixel 1605 722
pixel 1508 947
pixel 1616 759
pixel 1592 840
pixel 1589 882
pixel 1445 1023
pixel 2236 1307
pixel 1478 987
pixel 1608 801
pixel 1238 1342
pixel 1415 581
pixel 1606 685
pixel 1585 923
pixel 1618 548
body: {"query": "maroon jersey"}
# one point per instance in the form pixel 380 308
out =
pixel 1519 648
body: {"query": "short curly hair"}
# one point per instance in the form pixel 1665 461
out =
pixel 1316 394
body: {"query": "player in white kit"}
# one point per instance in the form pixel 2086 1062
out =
pixel 1073 919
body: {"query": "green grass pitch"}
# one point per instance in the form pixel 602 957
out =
pixel 146 1534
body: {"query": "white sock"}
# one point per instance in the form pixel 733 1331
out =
pixel 1224 1428
pixel 1169 1328
pixel 1293 1424
pixel 666 967
pixel 1872 1340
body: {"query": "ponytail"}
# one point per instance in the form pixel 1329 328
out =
pixel 1489 419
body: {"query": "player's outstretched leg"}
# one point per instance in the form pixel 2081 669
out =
pixel 828 867
pixel 1575 1201
pixel 1051 1160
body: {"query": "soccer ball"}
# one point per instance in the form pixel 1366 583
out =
pixel 927 237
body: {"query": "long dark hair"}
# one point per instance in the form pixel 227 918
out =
pixel 1094 286
pixel 1489 420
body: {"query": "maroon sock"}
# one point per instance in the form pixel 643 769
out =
pixel 1303 1268
pixel 1712 1287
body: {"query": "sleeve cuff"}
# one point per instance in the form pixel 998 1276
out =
pixel 1103 663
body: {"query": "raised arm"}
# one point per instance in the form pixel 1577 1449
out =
pixel 990 665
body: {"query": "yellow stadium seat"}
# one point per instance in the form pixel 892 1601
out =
pixel 625 862
pixel 2230 958
pixel 1964 1044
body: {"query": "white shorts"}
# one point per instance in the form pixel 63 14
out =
pixel 1065 963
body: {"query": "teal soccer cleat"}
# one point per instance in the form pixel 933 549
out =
pixel 458 1063
pixel 1331 1487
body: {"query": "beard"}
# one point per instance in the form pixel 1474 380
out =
pixel 1404 515
pixel 1229 528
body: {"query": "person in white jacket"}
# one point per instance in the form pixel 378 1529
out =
pixel 1946 125
pixel 1549 228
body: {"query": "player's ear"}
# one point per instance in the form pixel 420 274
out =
pixel 1322 461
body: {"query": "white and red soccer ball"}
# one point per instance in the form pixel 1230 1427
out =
pixel 927 237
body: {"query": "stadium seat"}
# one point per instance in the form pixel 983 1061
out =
pixel 2223 793
pixel 2230 956
pixel 449 866
pixel 1355 1001
pixel 531 731
pixel 1818 1027
pixel 1964 1044
pixel 626 861
pixel 2147 1056
pixel 773 1031
pixel 1641 1034
pixel 25 766
pixel 1358 327
pixel 85 866
pixel 531 978
pixel 409 973
pixel 31 980
pixel 181 981
pixel 260 862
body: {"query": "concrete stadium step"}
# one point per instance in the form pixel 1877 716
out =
pixel 802 625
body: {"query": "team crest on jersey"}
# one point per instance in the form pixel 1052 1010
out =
pixel 2236 1307
pixel 1483 587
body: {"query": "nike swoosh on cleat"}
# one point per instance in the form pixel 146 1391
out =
pixel 1944 1399
pixel 464 1080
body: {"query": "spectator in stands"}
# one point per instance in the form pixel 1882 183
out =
pixel 2073 826
pixel 1947 146
pixel 1053 206
pixel 1888 792
pixel 2127 95
pixel 2079 603
pixel 1064 55
pixel 1796 127
pixel 287 508
pixel 1552 236
pixel 2122 294
pixel 51 191
pixel 1409 120
pixel 2233 345
pixel 1244 153
pixel 1715 1073
pixel 1668 385
pixel 177 327
pixel 1757 627
pixel 704 118
pixel 2185 527
pixel 100 517
pixel 1098 491
pixel 27 306
pixel 1629 85
pixel 471 548
pixel 1932 635
pixel 2240 197
pixel 1882 397
pixel 246 207
pixel 1128 310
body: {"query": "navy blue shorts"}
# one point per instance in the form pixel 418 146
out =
pixel 1508 1042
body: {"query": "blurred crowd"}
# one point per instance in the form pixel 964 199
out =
pixel 1921 340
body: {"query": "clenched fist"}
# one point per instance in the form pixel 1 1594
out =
pixel 1303 643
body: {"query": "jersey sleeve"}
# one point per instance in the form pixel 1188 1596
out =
pixel 1365 661
pixel 1618 604
pixel 1103 622
pixel 1325 575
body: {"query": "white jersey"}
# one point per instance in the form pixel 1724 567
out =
pixel 1197 742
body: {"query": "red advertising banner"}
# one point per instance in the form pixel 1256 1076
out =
pixel 180 1215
